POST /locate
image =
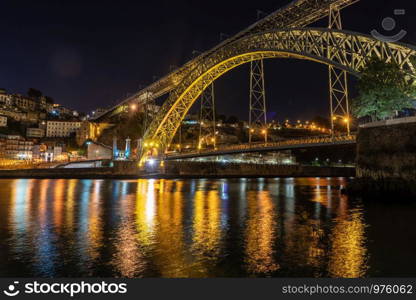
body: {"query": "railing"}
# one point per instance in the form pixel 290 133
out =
pixel 280 144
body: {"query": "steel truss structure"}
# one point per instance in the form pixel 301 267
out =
pixel 207 124
pixel 338 81
pixel 258 111
pixel 296 14
pixel 349 52
pixel 148 114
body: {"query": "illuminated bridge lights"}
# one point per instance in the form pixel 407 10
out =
pixel 151 145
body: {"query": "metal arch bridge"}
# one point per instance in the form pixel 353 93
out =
pixel 289 144
pixel 279 35
pixel 345 50
pixel 296 14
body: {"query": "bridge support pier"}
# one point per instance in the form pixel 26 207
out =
pixel 207 124
pixel 338 81
pixel 257 116
pixel 148 113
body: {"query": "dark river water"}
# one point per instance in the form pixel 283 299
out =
pixel 200 228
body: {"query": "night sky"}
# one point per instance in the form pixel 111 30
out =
pixel 88 54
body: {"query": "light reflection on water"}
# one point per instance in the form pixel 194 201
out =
pixel 185 228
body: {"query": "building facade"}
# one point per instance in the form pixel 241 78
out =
pixel 15 147
pixel 5 99
pixel 61 128
pixel 35 133
pixel 90 131
pixel 24 102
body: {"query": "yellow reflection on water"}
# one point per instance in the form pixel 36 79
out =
pixel 128 257
pixel 145 211
pixel 348 255
pixel 43 199
pixel 69 205
pixel 58 203
pixel 95 230
pixel 206 244
pixel 260 233
pixel 21 202
pixel 170 257
pixel 176 229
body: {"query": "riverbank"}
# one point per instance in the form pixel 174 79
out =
pixel 218 169
pixel 183 170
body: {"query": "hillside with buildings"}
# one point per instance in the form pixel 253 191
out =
pixel 33 128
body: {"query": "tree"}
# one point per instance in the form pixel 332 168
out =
pixel 384 88
pixel 49 100
pixel 34 93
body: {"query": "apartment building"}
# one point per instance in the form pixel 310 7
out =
pixel 61 128
pixel 15 147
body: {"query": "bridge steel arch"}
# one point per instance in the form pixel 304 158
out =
pixel 345 50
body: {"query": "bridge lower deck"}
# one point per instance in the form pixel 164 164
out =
pixel 267 147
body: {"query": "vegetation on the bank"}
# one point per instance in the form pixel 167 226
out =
pixel 384 90
pixel 128 126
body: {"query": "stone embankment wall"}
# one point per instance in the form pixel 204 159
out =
pixel 120 170
pixel 183 169
pixel 237 170
pixel 386 160
pixel 58 173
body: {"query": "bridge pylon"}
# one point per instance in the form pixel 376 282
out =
pixel 338 80
pixel 207 123
pixel 148 113
pixel 258 110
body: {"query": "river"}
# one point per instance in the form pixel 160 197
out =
pixel 278 227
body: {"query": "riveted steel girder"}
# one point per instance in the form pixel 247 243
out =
pixel 257 108
pixel 207 124
pixel 338 81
